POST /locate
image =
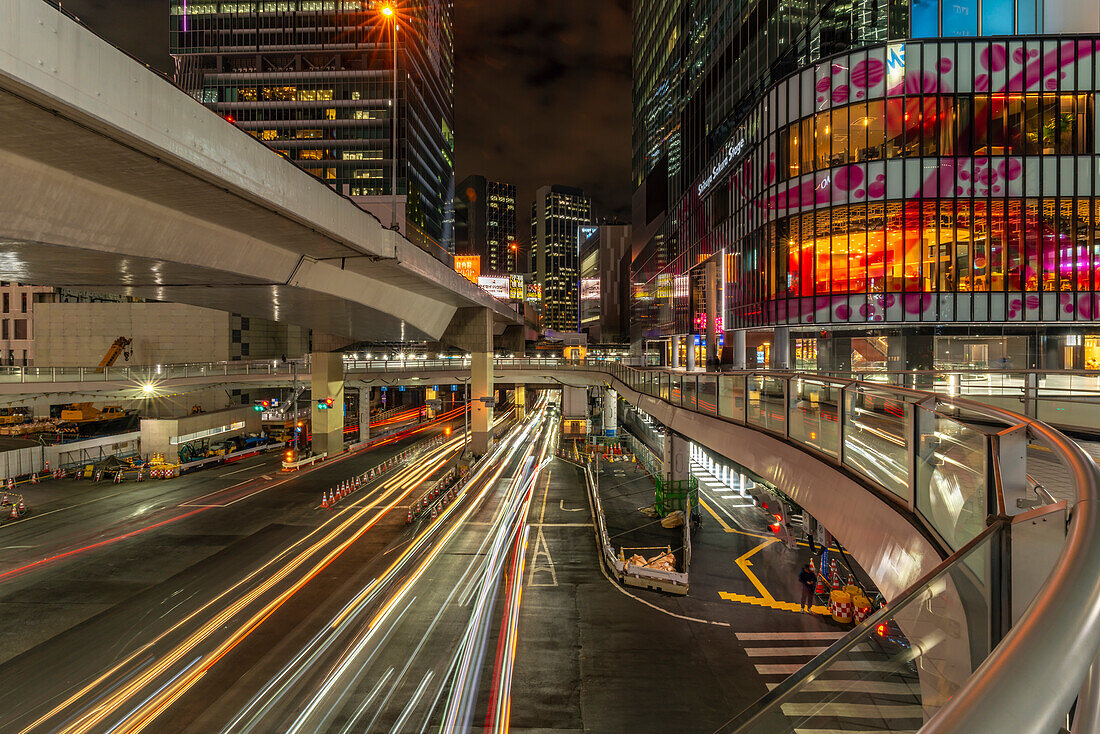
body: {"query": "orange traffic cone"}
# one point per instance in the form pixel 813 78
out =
pixel 22 507
pixel 324 501
pixel 14 513
pixel 34 477
pixel 836 580
pixel 409 518
pixel 851 580
pixel 435 511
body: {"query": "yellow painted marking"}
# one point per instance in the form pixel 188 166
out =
pixel 747 533
pixel 785 606
pixel 714 514
pixel 743 563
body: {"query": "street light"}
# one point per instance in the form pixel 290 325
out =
pixel 515 257
pixel 389 12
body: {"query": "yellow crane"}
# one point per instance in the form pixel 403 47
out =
pixel 119 346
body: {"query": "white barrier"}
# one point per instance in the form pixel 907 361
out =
pixel 296 465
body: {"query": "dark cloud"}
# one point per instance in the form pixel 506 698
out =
pixel 542 88
pixel 543 96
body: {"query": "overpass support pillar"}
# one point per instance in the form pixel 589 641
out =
pixel 610 412
pixel 689 340
pixel 676 463
pixel 520 399
pixel 674 357
pixel 471 329
pixel 574 402
pixel 364 413
pixel 429 396
pixel 738 350
pixel 328 382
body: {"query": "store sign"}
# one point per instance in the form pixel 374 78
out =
pixel 515 287
pixel 583 233
pixel 732 151
pixel 590 289
pixel 895 65
pixel 495 286
pixel 534 291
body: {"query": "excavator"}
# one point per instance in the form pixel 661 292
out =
pixel 119 346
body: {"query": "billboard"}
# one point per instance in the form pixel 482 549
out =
pixel 495 286
pixel 590 289
pixel 468 266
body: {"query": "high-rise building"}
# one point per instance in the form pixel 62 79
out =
pixel 866 184
pixel 605 284
pixel 485 225
pixel 314 80
pixel 560 222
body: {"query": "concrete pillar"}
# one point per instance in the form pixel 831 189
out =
pixel 328 382
pixel 738 350
pixel 364 413
pixel 781 348
pixel 690 352
pixel 610 412
pixel 676 464
pixel 481 412
pixel 674 357
pixel 520 399
pixel 574 402
pixel 713 291
pixel 471 329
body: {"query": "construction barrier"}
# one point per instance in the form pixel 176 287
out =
pixel 841 607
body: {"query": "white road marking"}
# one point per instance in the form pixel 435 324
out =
pixel 857 686
pixel 854 710
pixel 778 652
pixel 790 635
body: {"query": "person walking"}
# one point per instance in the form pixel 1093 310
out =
pixel 808 580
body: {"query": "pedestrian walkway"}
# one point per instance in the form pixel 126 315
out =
pixel 868 691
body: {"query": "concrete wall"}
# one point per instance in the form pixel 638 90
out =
pixel 78 334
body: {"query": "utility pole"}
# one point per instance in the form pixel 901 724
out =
pixel 294 401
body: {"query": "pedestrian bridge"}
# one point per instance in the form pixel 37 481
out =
pixel 117 181
pixel 991 580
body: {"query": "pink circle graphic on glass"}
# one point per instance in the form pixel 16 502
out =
pixel 867 73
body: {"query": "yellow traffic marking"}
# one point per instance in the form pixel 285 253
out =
pixel 747 533
pixel 786 606
pixel 714 514
pixel 743 563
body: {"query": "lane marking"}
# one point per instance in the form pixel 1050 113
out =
pixel 542 550
pixel 854 710
pixel 781 652
pixel 743 563
pixel 847 666
pixel 790 635
pixel 561 504
pixel 238 471
pixel 783 606
pixel 833 685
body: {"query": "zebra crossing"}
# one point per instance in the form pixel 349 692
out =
pixel 864 692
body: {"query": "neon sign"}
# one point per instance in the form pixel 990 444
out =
pixel 732 151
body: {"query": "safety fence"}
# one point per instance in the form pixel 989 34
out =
pixel 352 484
pixel 627 573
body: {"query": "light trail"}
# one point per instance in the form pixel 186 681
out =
pixel 343 523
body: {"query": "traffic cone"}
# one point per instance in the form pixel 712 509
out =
pixel 118 477
pixel 22 507
pixel 11 484
pixel 435 511
pixel 4 500
pixel 851 580
pixel 324 501
pixel 836 580
pixel 141 475
pixel 34 477
pixel 14 513
pixel 409 518
pixel 820 588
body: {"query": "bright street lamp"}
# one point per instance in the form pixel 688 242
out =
pixel 389 12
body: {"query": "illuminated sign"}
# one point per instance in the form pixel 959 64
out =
pixel 468 266
pixel 728 157
pixel 895 65
pixel 495 286
pixel 590 289
pixel 515 287
pixel 534 291
pixel 701 322
pixel 583 233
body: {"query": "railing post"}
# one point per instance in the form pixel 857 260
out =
pixel 842 421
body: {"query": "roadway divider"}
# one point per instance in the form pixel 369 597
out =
pixel 309 461
pixel 442 492
pixel 349 486
pixel 629 574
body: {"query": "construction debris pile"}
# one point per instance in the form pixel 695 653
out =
pixel 661 562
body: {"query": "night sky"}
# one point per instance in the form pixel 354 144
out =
pixel 542 92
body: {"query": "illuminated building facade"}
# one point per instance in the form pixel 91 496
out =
pixel 604 284
pixel 560 222
pixel 893 186
pixel 485 224
pixel 314 80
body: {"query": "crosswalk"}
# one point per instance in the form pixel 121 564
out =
pixel 871 690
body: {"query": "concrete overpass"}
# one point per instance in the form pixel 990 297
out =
pixel 117 181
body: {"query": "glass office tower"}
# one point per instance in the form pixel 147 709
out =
pixel 313 80
pixel 884 184
pixel 560 222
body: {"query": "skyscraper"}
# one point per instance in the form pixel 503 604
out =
pixel 864 184
pixel 314 80
pixel 485 224
pixel 559 216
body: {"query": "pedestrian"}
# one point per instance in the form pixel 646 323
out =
pixel 808 579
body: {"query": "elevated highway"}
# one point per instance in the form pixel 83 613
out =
pixel 117 181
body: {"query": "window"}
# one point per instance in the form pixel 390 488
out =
pixel 309 134
pixel 330 114
pixel 7 302
pixel 20 329
pixel 269 135
pixel 23 302
pixel 362 155
pixel 311 155
pixel 6 330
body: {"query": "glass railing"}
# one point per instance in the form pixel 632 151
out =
pixel 899 668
